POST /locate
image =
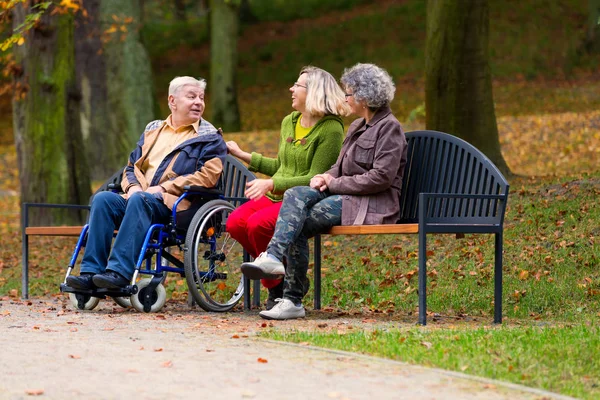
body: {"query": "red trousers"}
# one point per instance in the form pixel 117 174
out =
pixel 252 225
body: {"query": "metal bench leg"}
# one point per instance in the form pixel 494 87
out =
pixel 25 267
pixel 247 305
pixel 25 246
pixel 422 277
pixel 317 272
pixel 498 279
pixel 256 294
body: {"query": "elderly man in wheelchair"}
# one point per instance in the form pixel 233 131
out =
pixel 169 178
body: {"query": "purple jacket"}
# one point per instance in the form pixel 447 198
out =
pixel 368 172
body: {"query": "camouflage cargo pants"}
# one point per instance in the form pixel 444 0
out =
pixel 305 212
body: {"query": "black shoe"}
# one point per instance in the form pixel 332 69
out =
pixel 82 282
pixel 110 280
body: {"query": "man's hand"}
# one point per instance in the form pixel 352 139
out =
pixel 155 189
pixel 132 190
pixel 258 188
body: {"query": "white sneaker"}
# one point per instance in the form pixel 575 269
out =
pixel 284 309
pixel 264 267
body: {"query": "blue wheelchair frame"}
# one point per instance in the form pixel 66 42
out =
pixel 158 238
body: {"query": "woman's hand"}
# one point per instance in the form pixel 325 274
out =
pixel 258 188
pixel 234 150
pixel 321 182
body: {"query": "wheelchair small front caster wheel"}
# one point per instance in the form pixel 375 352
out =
pixel 148 300
pixel 124 302
pixel 83 301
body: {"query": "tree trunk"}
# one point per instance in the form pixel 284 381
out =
pixel 458 94
pixel 223 64
pixel 180 14
pixel 116 80
pixel 50 151
pixel 591 43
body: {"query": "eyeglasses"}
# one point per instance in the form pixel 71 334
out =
pixel 348 95
pixel 298 85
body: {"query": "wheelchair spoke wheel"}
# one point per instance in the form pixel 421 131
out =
pixel 213 258
pixel 83 301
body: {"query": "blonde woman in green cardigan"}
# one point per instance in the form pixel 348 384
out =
pixel 310 141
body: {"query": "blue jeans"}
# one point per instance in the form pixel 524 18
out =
pixel 132 217
pixel 305 212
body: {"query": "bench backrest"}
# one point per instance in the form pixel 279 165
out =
pixel 234 179
pixel 441 163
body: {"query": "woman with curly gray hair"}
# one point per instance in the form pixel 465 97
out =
pixel 362 187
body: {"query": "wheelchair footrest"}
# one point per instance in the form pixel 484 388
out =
pixel 101 293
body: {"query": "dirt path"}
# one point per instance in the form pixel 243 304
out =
pixel 50 351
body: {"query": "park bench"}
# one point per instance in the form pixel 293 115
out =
pixel 449 186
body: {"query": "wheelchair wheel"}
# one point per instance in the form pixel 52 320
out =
pixel 87 302
pixel 158 297
pixel 213 258
pixel 124 302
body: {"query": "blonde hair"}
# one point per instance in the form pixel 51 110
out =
pixel 323 94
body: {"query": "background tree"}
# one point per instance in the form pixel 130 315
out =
pixel 115 76
pixel 224 26
pixel 591 43
pixel 46 124
pixel 458 94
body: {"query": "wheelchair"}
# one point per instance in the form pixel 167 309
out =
pixel 211 258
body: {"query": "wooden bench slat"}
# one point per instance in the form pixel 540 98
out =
pixel 53 230
pixel 373 229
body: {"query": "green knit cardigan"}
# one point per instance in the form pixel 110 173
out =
pixel 296 163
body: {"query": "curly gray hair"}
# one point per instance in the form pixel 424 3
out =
pixel 371 84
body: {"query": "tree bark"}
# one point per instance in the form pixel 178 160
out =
pixel 50 151
pixel 116 80
pixel 591 44
pixel 458 94
pixel 224 27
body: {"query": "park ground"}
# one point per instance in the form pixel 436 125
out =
pixel 549 129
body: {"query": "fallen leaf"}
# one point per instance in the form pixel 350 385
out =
pixel 426 344
pixel 167 364
pixel 158 349
pixel 74 356
pixel 262 360
pixel 34 392
pixel 235 337
pixel 524 274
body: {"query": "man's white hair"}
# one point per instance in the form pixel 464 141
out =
pixel 181 81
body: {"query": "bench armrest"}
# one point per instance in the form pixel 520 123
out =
pixel 462 209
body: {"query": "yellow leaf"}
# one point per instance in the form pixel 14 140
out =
pixel 20 41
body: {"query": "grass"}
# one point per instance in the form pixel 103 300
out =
pixel 556 358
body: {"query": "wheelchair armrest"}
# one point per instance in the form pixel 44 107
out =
pixel 201 190
pixel 114 187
